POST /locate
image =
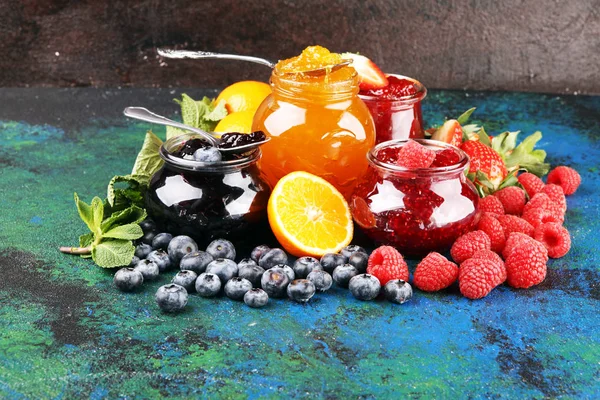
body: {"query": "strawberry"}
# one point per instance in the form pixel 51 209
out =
pixel 369 74
pixel 451 132
pixel 486 161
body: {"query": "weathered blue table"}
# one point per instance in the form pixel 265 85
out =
pixel 65 332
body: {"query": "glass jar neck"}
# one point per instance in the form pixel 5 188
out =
pixel 318 88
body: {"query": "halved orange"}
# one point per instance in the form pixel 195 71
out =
pixel 309 216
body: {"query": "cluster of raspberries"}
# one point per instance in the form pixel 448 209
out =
pixel 512 243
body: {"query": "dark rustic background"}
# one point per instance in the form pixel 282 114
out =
pixel 536 45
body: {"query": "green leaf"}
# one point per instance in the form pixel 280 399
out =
pixel 470 131
pixel 524 156
pixel 113 253
pixel 173 132
pixel 128 231
pixel 86 240
pixel 98 212
pixel 484 138
pixel 217 113
pixel 510 180
pixel 465 116
pixel 483 180
pixel 148 160
pixel 133 181
pixel 505 142
pixel 190 112
pixel 131 215
pixel 85 213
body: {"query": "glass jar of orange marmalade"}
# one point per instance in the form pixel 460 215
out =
pixel 316 122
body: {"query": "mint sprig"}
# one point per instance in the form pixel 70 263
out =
pixel 203 114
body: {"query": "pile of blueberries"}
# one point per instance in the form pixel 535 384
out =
pixel 265 274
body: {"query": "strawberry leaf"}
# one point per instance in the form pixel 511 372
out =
pixel 525 157
pixel 504 143
pixel 510 180
pixel 470 132
pixel 462 120
pixel 484 138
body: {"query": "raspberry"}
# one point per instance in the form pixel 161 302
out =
pixel 512 223
pixel 557 195
pixel 513 240
pixel 555 238
pixel 531 183
pixel 466 245
pixel 415 155
pixel 478 276
pixel 565 177
pixel 488 255
pixel 491 204
pixel 541 200
pixel 512 198
pixel 538 216
pixel 385 263
pixel 526 265
pixel 435 273
pixel 492 227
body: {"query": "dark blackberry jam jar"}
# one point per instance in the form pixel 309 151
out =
pixel 416 210
pixel 208 200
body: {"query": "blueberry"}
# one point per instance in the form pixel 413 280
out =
pixel 272 258
pixel 330 261
pixel 301 290
pixel 258 252
pixel 224 268
pixel 148 225
pixel 171 297
pixel 321 279
pixel 179 246
pixel 360 261
pixel 364 287
pixel 246 262
pixel 208 285
pixel 398 291
pixel 128 279
pixel 274 281
pixel 251 272
pixel 343 274
pixel 147 238
pixel 161 241
pixel 208 154
pixel 237 287
pixel 187 279
pixel 348 250
pixel 134 261
pixel 161 258
pixel 148 268
pixel 305 265
pixel 288 271
pixel 142 250
pixel 256 298
pixel 195 261
pixel 221 248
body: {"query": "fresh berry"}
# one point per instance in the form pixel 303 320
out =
pixel 445 158
pixel 478 276
pixel 321 279
pixel 142 250
pixel 538 216
pixel 512 199
pixel 513 240
pixel 557 195
pixel 128 279
pixel 369 74
pixel 488 255
pixel 465 246
pixel 554 237
pixel 208 285
pixel 179 246
pixel 275 281
pixel 349 250
pixel 288 271
pixel 565 177
pixel 305 265
pixel 196 261
pixel 148 238
pixel 526 265
pixel 492 227
pixel 386 263
pixel 491 204
pixel 256 298
pixel 258 251
pixel 485 159
pixel 398 291
pixel 251 272
pixel 531 183
pixel 187 279
pixel 134 261
pixel 171 297
pixel 272 258
pixel 331 261
pixel 148 225
pixel 396 89
pixel 149 269
pixel 360 261
pixel 224 268
pixel 451 132
pixel 161 241
pixel 343 274
pixel 301 290
pixel 208 155
pixel 161 258
pixel 435 273
pixel 247 262
pixel 415 155
pixel 542 200
pixel 364 287
pixel 236 288
pixel 221 248
pixel 512 223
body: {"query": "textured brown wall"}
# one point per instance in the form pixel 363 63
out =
pixel 536 45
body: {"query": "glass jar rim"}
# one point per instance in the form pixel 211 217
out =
pixel 325 88
pixel 408 99
pixel 461 165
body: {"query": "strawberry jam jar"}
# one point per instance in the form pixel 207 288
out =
pixel 396 108
pixel 416 210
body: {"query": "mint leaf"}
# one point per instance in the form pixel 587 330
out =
pixel 131 215
pixel 133 181
pixel 524 156
pixel 148 160
pixel 98 212
pixel 189 110
pixel 113 253
pixel 85 213
pixel 172 132
pixel 465 116
pixel 128 231
pixel 86 239
pixel 217 113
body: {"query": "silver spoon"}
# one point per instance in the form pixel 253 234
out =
pixel 178 54
pixel 144 114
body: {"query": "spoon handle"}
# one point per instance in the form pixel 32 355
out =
pixel 144 114
pixel 170 53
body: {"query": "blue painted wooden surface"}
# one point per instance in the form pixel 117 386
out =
pixel 65 332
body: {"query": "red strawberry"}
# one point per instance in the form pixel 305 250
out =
pixel 369 74
pixel 435 273
pixel 485 160
pixel 451 132
pixel 386 263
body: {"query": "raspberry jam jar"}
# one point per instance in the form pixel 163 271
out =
pixel 396 108
pixel 416 210
pixel 208 200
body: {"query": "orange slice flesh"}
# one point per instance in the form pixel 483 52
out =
pixel 309 216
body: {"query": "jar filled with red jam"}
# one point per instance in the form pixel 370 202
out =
pixel 416 210
pixel 396 108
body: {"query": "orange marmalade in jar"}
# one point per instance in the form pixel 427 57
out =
pixel 316 121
